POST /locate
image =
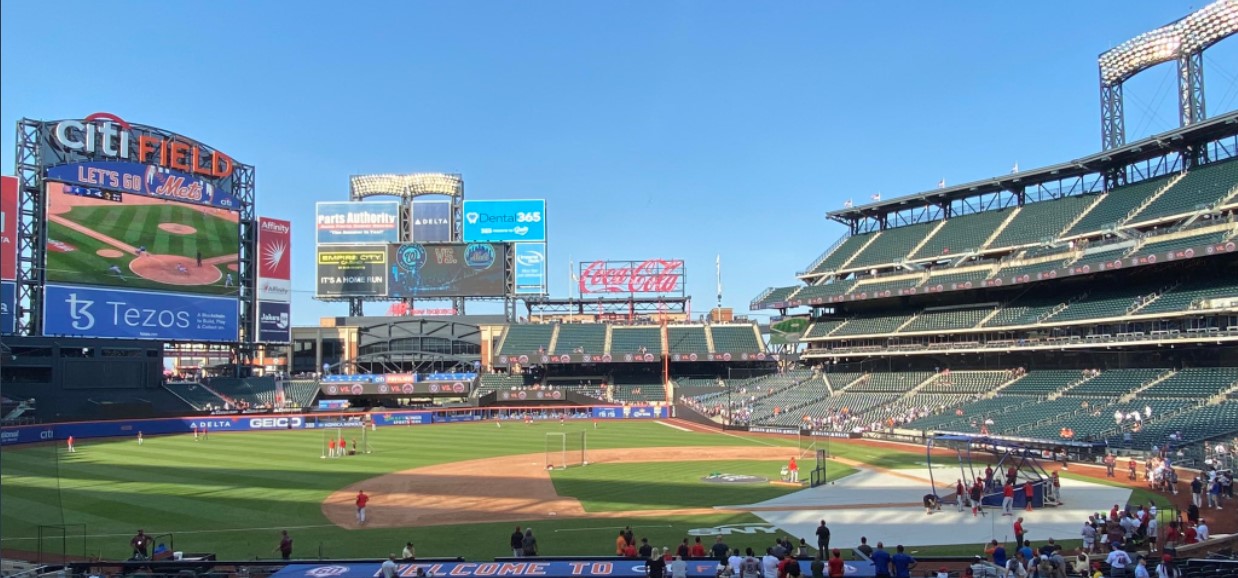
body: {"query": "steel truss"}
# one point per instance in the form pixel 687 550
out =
pixel 33 158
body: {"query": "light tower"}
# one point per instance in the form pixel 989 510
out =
pixel 1183 41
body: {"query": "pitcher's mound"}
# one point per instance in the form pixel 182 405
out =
pixel 177 229
pixel 109 253
pixel 164 269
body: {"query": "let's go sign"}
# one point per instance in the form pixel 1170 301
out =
pixel 504 221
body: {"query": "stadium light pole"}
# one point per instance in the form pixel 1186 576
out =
pixel 1183 41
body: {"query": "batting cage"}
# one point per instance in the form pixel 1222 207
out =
pixel 566 449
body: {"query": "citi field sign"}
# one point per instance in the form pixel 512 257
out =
pixel 107 136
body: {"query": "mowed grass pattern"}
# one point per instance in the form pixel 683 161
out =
pixel 138 225
pixel 231 494
pixel 612 487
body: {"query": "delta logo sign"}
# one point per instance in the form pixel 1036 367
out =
pixel 141 160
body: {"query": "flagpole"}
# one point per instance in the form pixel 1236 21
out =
pixel 719 266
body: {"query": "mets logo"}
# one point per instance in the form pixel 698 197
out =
pixel 411 257
pixel 479 256
pixel 327 571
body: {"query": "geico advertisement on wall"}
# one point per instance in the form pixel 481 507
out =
pixel 96 312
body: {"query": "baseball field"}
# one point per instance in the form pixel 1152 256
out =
pixel 140 243
pixel 452 489
pixel 460 489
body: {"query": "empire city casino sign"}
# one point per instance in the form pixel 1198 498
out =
pixel 107 135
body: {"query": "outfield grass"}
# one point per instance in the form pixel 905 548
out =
pixel 231 494
pixel 619 487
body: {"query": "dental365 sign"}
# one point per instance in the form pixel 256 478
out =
pixel 93 312
pixel 505 221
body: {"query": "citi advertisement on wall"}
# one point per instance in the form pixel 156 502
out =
pixel 504 221
pixel 8 228
pixel 274 322
pixel 113 313
pixel 274 260
pixel 354 223
pixel 530 264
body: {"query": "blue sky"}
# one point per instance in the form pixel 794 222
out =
pixel 653 129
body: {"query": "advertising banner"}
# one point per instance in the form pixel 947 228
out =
pixel 585 568
pixel 274 322
pixel 8 228
pixel 145 180
pixel 530 264
pixel 662 276
pixel 445 388
pixel 274 260
pixel 355 223
pixel 96 312
pixel 504 221
pixel 134 242
pixel 359 271
pixel 104 135
pixel 431 222
pixel 8 307
pixel 448 270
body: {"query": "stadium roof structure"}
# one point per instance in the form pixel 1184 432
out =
pixel 1176 140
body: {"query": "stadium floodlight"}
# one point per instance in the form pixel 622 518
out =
pixel 410 185
pixel 1189 35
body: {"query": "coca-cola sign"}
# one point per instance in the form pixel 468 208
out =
pixel 649 276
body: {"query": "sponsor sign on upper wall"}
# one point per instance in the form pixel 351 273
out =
pixel 356 223
pixel 505 221
pixel 530 268
pixel 274 260
pixel 352 271
pixel 106 152
pixel 664 276
pixel 8 228
pixel 430 222
pixel 274 322
pixel 114 313
pixel 448 270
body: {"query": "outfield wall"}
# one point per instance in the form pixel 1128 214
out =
pixel 268 421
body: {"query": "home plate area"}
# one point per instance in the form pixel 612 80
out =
pixel 886 506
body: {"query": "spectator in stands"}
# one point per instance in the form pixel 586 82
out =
pixel 881 561
pixel 1201 530
pixel 698 549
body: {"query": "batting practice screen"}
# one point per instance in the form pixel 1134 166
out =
pixel 448 270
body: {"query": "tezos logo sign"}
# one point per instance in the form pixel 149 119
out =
pixel 275 422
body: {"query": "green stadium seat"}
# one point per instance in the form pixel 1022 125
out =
pixel 961 234
pixel 1039 221
pixel 591 337
pixel 736 339
pixel 948 319
pixel 1115 205
pixel 835 259
pixel 630 340
pixel 685 339
pixel 1202 186
pixel 526 339
pixel 893 245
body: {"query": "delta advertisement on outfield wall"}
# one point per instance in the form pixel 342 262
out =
pixel 8 228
